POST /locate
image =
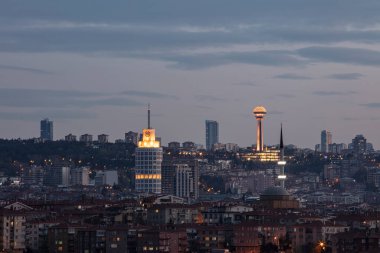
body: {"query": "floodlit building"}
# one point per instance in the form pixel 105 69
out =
pixel 148 162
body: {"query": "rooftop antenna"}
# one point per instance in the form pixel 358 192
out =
pixel 148 116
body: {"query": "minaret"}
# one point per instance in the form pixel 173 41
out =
pixel 282 177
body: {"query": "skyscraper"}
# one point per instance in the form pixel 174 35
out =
pixel 148 162
pixel 326 140
pixel 46 129
pixel 212 133
pixel 131 137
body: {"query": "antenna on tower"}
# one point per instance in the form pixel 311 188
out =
pixel 281 139
pixel 149 116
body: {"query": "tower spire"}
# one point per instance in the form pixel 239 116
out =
pixel 149 116
pixel 281 139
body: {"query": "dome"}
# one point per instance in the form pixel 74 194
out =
pixel 259 110
pixel 275 191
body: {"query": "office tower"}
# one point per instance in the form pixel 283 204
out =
pixel 282 177
pixel 103 138
pixel 46 128
pixel 70 137
pixel 212 133
pixel 85 138
pixel 259 113
pixel 80 176
pixel 188 145
pixel 184 181
pixel 169 176
pixel 148 162
pixel 326 140
pixel 131 137
pixel 359 144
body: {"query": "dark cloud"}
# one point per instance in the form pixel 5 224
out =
pixel 266 58
pixel 250 84
pixel 149 94
pixel 371 105
pixel 38 98
pixel 54 114
pixel 292 76
pixel 334 93
pixel 356 56
pixel 274 112
pixel 286 95
pixel 209 98
pixel 26 69
pixel 346 76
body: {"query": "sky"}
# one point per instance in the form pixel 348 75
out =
pixel 93 66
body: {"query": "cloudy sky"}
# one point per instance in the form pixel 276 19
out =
pixel 92 67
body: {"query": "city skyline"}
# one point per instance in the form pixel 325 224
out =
pixel 99 68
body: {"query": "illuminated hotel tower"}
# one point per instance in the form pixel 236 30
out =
pixel 148 162
pixel 282 177
pixel 259 113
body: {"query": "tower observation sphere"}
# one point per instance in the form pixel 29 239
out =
pixel 259 112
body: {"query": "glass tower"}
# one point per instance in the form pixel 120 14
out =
pixel 212 133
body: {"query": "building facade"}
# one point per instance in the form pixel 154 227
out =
pixel 148 162
pixel 46 128
pixel 326 140
pixel 212 133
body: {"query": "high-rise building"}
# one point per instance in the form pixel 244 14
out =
pixel 326 140
pixel 46 129
pixel 57 175
pixel 70 137
pixel 131 137
pixel 169 175
pixel 259 113
pixel 212 133
pixel 85 138
pixel 103 138
pixel 184 181
pixel 148 162
pixel 359 144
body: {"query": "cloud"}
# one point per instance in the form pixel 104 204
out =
pixel 26 69
pixel 149 94
pixel 206 60
pixel 292 76
pixel 346 76
pixel 356 56
pixel 361 119
pixel 276 112
pixel 286 95
pixel 207 98
pixel 250 84
pixel 374 105
pixel 45 98
pixel 53 114
pixel 334 93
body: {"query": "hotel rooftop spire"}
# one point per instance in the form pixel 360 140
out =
pixel 149 116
